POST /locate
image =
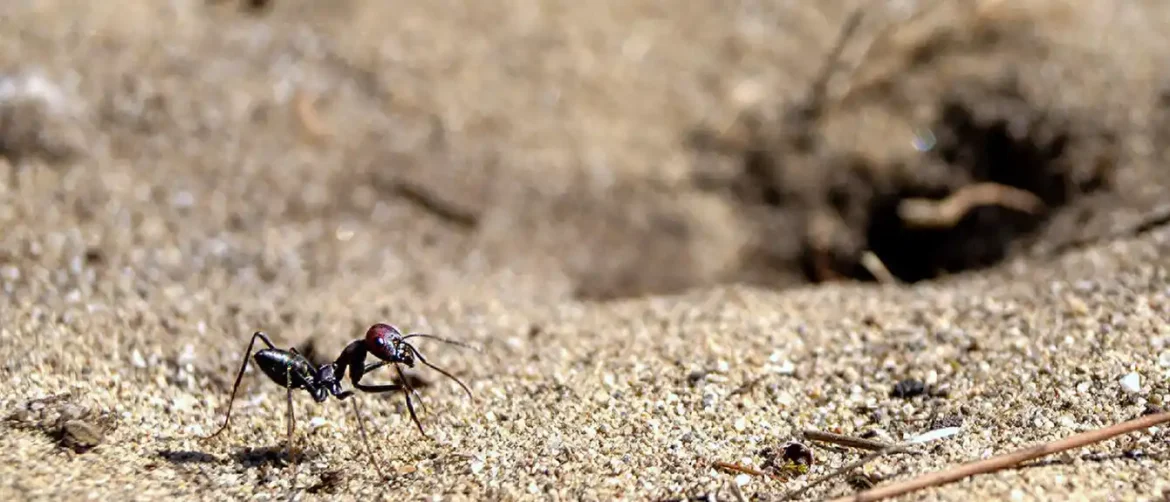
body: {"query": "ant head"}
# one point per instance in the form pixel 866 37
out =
pixel 386 343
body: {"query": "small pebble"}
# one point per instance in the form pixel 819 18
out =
pixel 318 422
pixel 80 436
pixel 137 360
pixel 798 453
pixel 1131 383
pixel 740 424
pixel 908 388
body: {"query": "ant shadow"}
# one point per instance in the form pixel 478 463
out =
pixel 187 457
pixel 270 455
pixel 247 457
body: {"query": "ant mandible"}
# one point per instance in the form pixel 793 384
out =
pixel 292 370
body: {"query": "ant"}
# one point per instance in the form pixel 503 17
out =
pixel 292 370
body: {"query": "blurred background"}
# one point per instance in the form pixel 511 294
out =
pixel 558 150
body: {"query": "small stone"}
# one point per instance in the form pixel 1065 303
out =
pixel 740 424
pixel 318 422
pixel 743 480
pixel 477 467
pixel 944 421
pixel 188 354
pixel 80 436
pixel 908 388
pixel 784 368
pixel 798 453
pixel 696 376
pixel 70 411
pixel 137 360
pixel 1131 383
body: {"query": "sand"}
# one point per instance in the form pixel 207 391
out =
pixel 517 175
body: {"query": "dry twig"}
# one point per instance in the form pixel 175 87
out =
pixel 307 117
pixel 876 268
pixel 842 440
pixel 887 450
pixel 945 213
pixel 733 467
pixel 1008 460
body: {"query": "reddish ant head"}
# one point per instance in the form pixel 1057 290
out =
pixel 385 342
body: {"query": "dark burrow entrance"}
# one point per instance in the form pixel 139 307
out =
pixel 1036 158
pixel 986 138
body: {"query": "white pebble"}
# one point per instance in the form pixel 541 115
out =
pixel 931 378
pixel 137 360
pixel 743 480
pixel 477 467
pixel 188 354
pixel 317 422
pixel 740 424
pixel 1131 383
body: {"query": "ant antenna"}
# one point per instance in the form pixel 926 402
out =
pixel 441 339
pixel 440 370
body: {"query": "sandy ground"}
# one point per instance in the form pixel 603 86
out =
pixel 517 174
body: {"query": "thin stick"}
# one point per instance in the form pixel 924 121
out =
pixel 945 213
pixel 734 467
pixel 993 464
pixel 933 435
pixel 310 121
pixel 820 84
pixel 876 268
pixel 842 440
pixel 737 492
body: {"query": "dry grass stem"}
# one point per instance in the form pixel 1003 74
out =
pixel 310 121
pixel 732 467
pixel 847 441
pixel 1008 460
pixel 875 267
pixel 945 213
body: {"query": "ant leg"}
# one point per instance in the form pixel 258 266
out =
pixel 407 390
pixel 373 366
pixel 292 489
pixel 362 427
pixel 240 376
pixel 377 389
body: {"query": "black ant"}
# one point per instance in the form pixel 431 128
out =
pixel 292 370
